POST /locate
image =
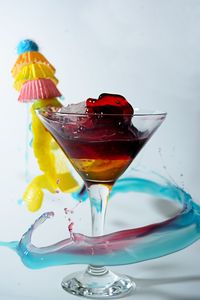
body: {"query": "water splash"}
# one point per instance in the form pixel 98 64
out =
pixel 123 247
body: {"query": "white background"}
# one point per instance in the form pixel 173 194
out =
pixel 146 50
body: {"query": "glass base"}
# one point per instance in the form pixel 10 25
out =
pixel 98 283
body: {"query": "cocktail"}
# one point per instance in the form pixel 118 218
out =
pixel 101 137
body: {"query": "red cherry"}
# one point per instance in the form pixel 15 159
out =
pixel 109 104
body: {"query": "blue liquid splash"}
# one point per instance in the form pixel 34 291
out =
pixel 122 247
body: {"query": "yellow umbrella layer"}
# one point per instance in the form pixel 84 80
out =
pixel 51 160
pixel 27 58
pixel 32 72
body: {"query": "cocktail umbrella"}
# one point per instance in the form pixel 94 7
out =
pixel 42 88
pixel 31 72
pixel 34 78
pixel 30 57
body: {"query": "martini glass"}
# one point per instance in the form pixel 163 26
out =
pixel 100 148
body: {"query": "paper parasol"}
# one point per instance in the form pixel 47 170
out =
pixel 28 58
pixel 32 72
pixel 42 88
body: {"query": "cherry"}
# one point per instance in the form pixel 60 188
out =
pixel 109 104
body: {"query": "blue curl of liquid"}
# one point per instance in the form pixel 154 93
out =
pixel 122 247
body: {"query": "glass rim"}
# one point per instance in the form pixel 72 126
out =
pixel 137 113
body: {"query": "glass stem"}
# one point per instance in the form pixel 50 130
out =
pixel 98 194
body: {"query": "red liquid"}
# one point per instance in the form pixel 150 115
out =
pixel 100 150
pixel 102 161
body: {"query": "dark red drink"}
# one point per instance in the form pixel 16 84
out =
pixel 101 143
